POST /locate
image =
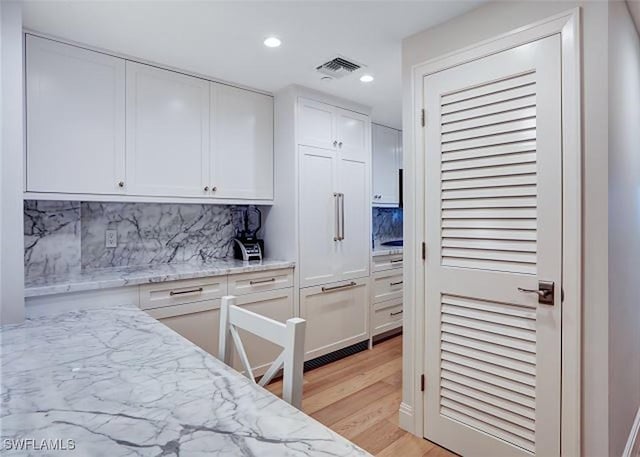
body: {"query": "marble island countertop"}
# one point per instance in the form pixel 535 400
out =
pixel 117 383
pixel 106 278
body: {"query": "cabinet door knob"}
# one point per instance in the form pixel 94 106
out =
pixel 121 184
pixel 214 188
pixel 340 144
pixel 335 143
pixel 206 188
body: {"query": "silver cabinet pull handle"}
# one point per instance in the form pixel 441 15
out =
pixel 336 203
pixel 344 286
pixel 396 283
pixel 396 313
pixel 341 196
pixel 395 260
pixel 261 281
pixel 190 291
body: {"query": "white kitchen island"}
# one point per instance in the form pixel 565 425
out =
pixel 117 382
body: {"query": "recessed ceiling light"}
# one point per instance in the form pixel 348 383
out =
pixel 366 78
pixel 272 42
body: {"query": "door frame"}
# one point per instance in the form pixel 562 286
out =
pixel 566 24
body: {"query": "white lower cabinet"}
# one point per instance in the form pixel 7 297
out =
pixel 192 309
pixel 276 304
pixel 387 294
pixel 198 322
pixel 336 315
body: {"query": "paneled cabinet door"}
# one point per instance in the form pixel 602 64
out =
pixel 355 215
pixel 316 126
pixel 353 135
pixel 167 133
pixel 319 214
pixel 386 161
pixel 75 119
pixel 336 314
pixel 241 143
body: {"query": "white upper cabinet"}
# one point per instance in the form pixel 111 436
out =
pixel 75 119
pixel 387 160
pixel 352 131
pixel 100 126
pixel 241 143
pixel 317 125
pixel 167 132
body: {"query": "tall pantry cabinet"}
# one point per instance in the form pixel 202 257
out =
pixel 322 217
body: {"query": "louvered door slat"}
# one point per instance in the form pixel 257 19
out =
pixel 492 227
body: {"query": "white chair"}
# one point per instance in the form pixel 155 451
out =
pixel 289 336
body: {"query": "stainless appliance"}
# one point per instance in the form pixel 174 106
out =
pixel 247 245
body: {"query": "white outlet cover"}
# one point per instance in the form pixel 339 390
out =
pixel 111 238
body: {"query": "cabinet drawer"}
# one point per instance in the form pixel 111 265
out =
pixel 198 322
pixel 387 285
pixel 177 292
pixel 386 316
pixel 261 281
pixel 387 262
pixel 336 314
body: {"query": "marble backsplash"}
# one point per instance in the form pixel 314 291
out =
pixel 387 225
pixel 67 237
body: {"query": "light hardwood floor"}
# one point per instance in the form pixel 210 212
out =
pixel 359 396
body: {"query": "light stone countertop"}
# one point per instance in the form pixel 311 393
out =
pixel 119 383
pixel 129 276
pixel 381 250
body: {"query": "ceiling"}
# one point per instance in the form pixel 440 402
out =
pixel 224 39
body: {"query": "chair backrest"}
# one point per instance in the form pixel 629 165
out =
pixel 289 336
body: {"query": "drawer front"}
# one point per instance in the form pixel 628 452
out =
pixel 178 292
pixel 386 316
pixel 387 262
pixel 336 315
pixel 387 285
pixel 261 281
pixel 198 322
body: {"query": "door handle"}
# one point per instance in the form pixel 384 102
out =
pixel 190 291
pixel 545 292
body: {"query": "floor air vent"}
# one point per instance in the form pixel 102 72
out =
pixel 337 355
pixel 338 67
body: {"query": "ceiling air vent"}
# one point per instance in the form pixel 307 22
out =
pixel 338 67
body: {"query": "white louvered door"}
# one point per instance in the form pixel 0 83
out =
pixel 493 225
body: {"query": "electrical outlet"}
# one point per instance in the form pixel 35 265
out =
pixel 111 238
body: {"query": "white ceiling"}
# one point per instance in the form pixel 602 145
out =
pixel 224 39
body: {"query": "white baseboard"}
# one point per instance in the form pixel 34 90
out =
pixel 632 441
pixel 406 421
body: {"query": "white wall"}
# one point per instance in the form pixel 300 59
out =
pixel 11 169
pixel 483 23
pixel 624 225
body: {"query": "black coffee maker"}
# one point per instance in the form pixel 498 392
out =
pixel 247 245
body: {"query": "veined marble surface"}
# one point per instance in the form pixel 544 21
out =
pixel 119 383
pixel 66 237
pixel 386 226
pixel 129 276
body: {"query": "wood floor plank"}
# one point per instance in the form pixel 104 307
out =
pixel 351 426
pixel 407 446
pixel 313 403
pixel 379 436
pixel 353 404
pixel 359 397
